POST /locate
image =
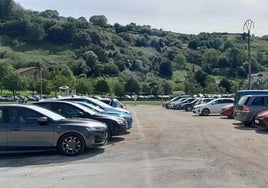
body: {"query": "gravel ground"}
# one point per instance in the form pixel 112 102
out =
pixel 165 148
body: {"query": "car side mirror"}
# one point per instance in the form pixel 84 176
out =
pixel 43 120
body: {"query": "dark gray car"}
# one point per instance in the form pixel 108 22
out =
pixel 249 106
pixel 31 128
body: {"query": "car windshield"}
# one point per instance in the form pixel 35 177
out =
pixel 90 106
pixel 82 107
pixel 100 103
pixel 52 115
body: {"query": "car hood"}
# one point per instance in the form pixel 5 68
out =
pixel 107 118
pixel 262 114
pixel 81 122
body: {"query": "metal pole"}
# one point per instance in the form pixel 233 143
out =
pixel 41 84
pixel 249 24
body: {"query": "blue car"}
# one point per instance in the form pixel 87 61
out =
pixel 126 116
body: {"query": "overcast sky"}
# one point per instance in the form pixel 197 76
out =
pixel 182 16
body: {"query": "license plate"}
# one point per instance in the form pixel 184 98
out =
pixel 257 121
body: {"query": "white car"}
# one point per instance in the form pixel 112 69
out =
pixel 212 107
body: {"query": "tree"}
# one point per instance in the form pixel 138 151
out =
pixel 201 78
pixel 190 85
pixel 50 14
pixel 91 58
pixel 83 86
pixel 6 68
pixel 226 84
pixel 99 20
pixel 119 89
pixel 82 38
pixel 13 82
pixel 5 9
pixel 165 69
pixel 132 86
pixel 179 62
pixel 102 86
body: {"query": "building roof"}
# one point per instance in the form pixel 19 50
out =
pixel 21 70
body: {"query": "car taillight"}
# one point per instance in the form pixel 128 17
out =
pixel 246 108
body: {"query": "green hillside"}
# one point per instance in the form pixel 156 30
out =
pixel 92 56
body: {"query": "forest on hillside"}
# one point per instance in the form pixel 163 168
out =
pixel 93 56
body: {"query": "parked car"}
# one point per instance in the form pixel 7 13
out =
pixel 261 120
pixel 127 117
pixel 187 100
pixel 228 111
pixel 188 106
pixel 173 104
pixel 212 107
pixel 165 104
pixel 93 101
pixel 68 109
pixel 203 101
pixel 30 128
pixel 249 106
pixel 113 102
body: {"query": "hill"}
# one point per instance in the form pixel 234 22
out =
pixel 92 56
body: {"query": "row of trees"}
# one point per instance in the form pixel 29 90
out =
pixel 52 79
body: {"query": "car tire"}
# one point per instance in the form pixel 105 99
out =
pixel 71 144
pixel 205 112
pixel 248 123
pixel 110 133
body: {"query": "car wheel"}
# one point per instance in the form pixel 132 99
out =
pixel 248 124
pixel 189 108
pixel 109 133
pixel 205 112
pixel 71 144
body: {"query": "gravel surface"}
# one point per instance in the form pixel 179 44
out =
pixel 165 148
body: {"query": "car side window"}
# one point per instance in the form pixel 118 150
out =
pixel 258 101
pixel 18 115
pixel 30 116
pixel 71 111
pixel 266 101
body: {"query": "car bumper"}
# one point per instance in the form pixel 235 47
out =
pixel 260 124
pixel 243 116
pixel 98 138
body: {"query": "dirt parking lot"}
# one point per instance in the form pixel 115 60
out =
pixel 166 148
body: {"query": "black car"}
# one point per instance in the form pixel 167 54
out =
pixel 188 106
pixel 116 125
pixel 31 128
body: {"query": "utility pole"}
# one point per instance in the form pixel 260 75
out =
pixel 248 25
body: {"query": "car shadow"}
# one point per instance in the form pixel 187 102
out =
pixel 43 158
pixel 114 140
pixel 261 131
pixel 227 118
pixel 241 126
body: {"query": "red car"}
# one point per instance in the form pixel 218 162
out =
pixel 261 120
pixel 228 111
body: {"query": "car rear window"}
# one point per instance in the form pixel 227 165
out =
pixel 243 100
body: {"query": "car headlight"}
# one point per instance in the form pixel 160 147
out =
pixel 121 121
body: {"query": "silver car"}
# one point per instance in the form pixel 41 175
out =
pixel 30 128
pixel 249 106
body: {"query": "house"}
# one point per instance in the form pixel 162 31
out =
pixel 29 72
